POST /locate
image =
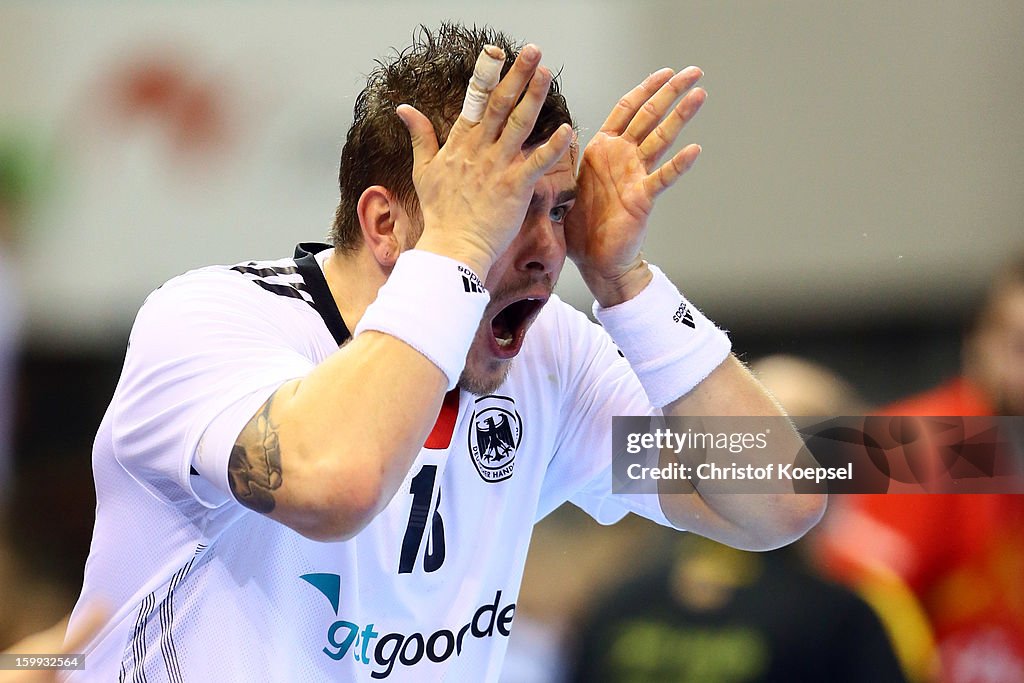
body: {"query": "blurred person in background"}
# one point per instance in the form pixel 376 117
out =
pixel 992 378
pixel 961 555
pixel 804 387
pixel 572 559
pixel 709 614
pixel 719 615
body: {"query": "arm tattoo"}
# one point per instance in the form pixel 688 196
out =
pixel 254 468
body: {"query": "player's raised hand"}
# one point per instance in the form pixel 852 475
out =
pixel 620 177
pixel 474 191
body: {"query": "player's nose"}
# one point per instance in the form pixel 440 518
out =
pixel 543 247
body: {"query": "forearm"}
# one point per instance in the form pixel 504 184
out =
pixel 774 515
pixel 678 356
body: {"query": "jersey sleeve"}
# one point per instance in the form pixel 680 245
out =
pixel 206 351
pixel 598 384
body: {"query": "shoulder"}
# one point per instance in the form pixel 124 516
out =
pixel 255 304
pixel 251 280
pixel 254 288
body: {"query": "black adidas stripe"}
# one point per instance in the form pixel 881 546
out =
pixel 139 639
pixel 252 269
pixel 271 272
pixel 293 290
pixel 281 290
pixel 167 648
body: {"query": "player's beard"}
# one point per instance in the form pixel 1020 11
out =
pixel 480 384
pixel 484 373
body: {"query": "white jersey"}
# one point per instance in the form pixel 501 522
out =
pixel 208 590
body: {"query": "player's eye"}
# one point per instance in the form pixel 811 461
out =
pixel 559 213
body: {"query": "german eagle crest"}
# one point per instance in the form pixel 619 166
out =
pixel 494 437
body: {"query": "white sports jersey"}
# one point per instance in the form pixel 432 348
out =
pixel 208 590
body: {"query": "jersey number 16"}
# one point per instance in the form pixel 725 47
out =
pixel 422 489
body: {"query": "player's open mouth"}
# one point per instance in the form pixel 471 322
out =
pixel 508 327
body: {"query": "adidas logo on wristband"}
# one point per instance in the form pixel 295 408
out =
pixel 684 316
pixel 406 308
pixel 668 360
pixel 470 281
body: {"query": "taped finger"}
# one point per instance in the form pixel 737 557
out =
pixel 485 78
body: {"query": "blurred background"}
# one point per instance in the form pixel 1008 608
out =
pixel 861 182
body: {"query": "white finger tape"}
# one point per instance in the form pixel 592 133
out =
pixel 485 78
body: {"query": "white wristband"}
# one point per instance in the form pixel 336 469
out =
pixel 434 304
pixel 669 344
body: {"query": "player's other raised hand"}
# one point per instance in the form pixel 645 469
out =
pixel 621 175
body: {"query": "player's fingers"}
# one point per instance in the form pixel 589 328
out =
pixel 626 108
pixel 669 172
pixel 664 135
pixel 485 78
pixel 421 131
pixel 650 114
pixel 523 118
pixel 506 94
pixel 547 154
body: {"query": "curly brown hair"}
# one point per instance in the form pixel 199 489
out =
pixel 431 75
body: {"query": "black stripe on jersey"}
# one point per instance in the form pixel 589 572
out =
pixel 252 269
pixel 167 648
pixel 323 300
pixel 139 640
pixel 282 290
pixel 293 290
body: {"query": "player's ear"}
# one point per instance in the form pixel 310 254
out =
pixel 378 212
